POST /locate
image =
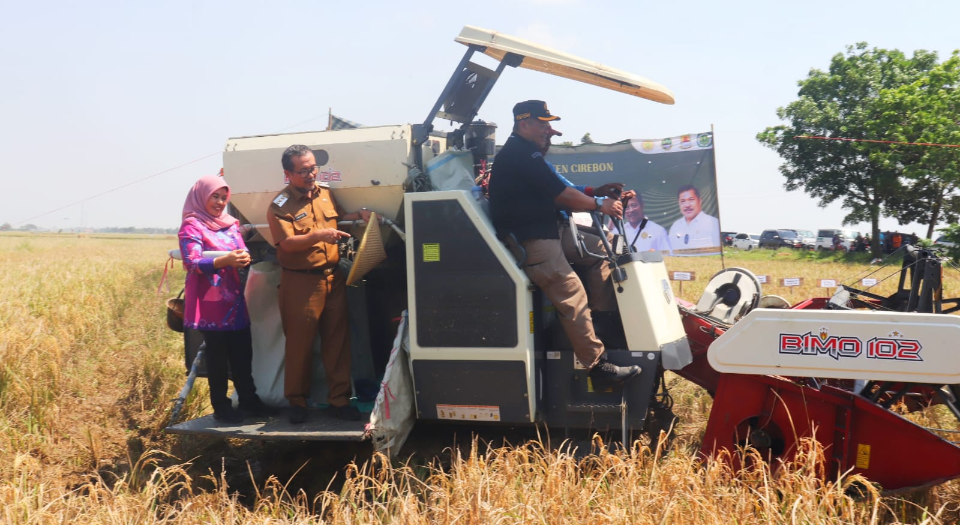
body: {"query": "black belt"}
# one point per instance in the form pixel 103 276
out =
pixel 316 271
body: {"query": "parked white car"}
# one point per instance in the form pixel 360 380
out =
pixel 942 241
pixel 808 238
pixel 746 241
pixel 847 237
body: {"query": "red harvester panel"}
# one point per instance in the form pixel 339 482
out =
pixel 855 433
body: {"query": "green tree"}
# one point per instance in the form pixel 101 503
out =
pixel 928 198
pixel 924 111
pixel 842 103
pixel 586 139
pixel 951 233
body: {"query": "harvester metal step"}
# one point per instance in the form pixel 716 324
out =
pixel 318 427
pixel 595 407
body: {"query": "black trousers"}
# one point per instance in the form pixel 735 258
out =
pixel 229 352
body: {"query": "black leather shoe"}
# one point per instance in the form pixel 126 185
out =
pixel 228 415
pixel 297 415
pixel 346 412
pixel 606 374
pixel 258 408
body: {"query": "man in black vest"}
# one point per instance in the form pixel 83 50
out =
pixel 524 197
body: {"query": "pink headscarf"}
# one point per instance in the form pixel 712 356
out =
pixel 195 205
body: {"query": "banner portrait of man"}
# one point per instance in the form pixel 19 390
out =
pixel 696 229
pixel 676 182
pixel 643 236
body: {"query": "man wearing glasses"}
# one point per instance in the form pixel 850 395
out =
pixel 696 233
pixel 303 221
pixel 652 237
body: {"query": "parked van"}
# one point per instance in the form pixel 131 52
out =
pixel 847 238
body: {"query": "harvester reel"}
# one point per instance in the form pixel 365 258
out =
pixel 730 294
pixel 950 395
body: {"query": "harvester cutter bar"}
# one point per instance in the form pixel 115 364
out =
pixel 774 414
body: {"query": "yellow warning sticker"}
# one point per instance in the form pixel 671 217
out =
pixel 590 384
pixel 863 456
pixel 531 321
pixel 431 252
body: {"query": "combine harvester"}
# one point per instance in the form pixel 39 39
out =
pixel 475 343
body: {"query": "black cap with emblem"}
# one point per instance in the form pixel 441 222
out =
pixel 532 109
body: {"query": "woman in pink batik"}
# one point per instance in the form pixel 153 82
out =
pixel 213 296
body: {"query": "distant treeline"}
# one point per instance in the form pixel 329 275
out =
pixel 112 229
pixel 134 230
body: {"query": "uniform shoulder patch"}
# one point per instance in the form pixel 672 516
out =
pixel 281 199
pixel 536 154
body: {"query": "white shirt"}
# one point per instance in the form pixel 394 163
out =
pixel 700 234
pixel 653 237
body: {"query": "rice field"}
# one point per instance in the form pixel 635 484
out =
pixel 88 371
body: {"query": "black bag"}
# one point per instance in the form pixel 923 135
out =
pixel 175 312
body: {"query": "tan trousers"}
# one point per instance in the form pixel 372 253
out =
pixel 311 303
pixel 548 268
pixel 600 294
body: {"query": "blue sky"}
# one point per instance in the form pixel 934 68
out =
pixel 97 95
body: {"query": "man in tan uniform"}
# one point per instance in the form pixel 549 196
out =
pixel 303 221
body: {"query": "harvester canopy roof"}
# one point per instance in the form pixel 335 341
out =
pixel 546 60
